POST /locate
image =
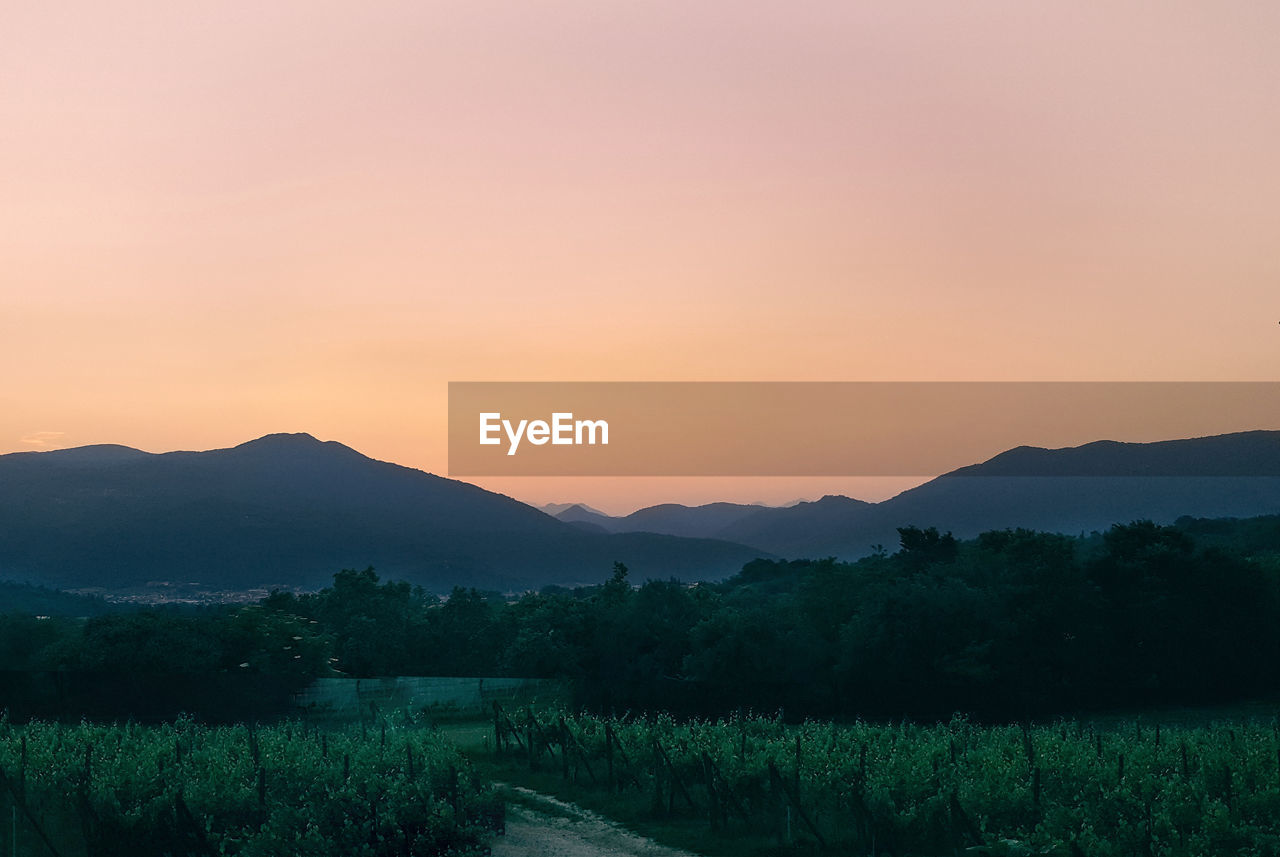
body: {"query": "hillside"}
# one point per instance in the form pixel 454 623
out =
pixel 1071 490
pixel 290 510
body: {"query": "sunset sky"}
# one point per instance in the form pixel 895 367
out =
pixel 220 220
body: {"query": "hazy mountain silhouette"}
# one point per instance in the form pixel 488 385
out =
pixel 288 509
pixel 1250 453
pixel 96 454
pixel 582 515
pixel 292 510
pixel 555 509
pixel 805 527
pixel 677 520
pixel 670 519
pixel 1070 490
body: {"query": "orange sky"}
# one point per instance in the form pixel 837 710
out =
pixel 222 220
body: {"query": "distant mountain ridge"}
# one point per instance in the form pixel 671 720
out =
pixel 1249 454
pixel 1069 490
pixel 556 509
pixel 670 519
pixel 288 509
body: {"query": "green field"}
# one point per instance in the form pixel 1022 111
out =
pixel 288 789
pixel 1168 784
pixel 753 785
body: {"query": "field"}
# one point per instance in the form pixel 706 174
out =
pixel 753 785
pixel 285 789
pixel 738 786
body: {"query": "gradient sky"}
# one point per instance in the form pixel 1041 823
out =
pixel 219 220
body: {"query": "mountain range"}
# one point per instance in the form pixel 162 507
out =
pixel 1072 490
pixel 289 510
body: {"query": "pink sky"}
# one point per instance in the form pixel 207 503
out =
pixel 224 220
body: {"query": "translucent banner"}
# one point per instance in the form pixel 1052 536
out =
pixel 843 428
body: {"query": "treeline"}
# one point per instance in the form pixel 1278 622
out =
pixel 1011 624
pixel 221 664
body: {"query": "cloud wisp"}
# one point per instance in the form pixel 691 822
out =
pixel 44 439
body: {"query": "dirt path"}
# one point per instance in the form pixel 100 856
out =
pixel 566 830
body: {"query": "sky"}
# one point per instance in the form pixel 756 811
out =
pixel 223 220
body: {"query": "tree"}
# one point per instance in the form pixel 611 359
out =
pixel 921 548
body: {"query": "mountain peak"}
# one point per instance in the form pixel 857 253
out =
pixel 288 509
pixel 280 443
pixel 831 501
pixel 556 509
pixel 281 439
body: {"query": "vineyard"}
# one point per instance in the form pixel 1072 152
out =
pixel 184 789
pixel 1065 789
pixel 943 789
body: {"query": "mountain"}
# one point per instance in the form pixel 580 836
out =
pixel 1242 454
pixel 803 528
pixel 676 520
pixel 670 519
pixel 1071 490
pixel 584 516
pixel 555 509
pixel 290 510
pixel 1090 487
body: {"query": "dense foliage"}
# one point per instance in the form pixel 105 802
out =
pixel 1011 624
pixel 225 664
pixel 186 789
